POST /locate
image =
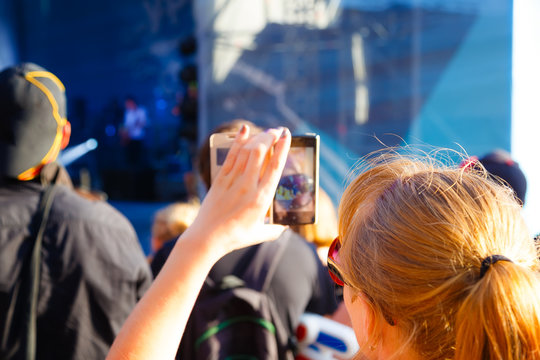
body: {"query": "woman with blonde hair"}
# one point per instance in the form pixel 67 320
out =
pixel 436 262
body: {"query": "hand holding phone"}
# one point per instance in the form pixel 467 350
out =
pixel 296 198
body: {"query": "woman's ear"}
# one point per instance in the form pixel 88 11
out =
pixel 375 336
pixel 362 317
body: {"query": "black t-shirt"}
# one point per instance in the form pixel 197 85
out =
pixel 300 284
pixel 93 272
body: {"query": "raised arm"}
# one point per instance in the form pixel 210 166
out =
pixel 230 217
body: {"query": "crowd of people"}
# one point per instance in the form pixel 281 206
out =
pixel 424 260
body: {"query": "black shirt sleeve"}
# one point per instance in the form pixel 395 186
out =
pixel 301 283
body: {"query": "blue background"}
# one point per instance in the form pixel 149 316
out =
pixel 436 72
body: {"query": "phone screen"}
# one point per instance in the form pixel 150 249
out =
pixel 295 201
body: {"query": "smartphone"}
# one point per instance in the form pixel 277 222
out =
pixel 296 198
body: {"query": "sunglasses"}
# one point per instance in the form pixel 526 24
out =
pixel 335 274
pixel 333 270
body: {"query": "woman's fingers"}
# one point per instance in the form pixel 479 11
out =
pixel 272 172
pixel 241 138
pixel 251 155
pixel 254 164
pixel 240 197
pixel 260 149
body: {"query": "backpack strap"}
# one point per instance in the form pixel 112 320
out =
pixel 31 314
pixel 262 267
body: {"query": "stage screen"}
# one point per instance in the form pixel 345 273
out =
pixel 361 74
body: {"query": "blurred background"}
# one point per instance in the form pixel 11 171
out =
pixel 461 74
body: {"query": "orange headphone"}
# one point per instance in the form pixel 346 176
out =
pixel 63 128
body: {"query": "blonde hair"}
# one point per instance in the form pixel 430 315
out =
pixel 414 234
pixel 172 221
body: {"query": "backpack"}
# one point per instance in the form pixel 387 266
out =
pixel 235 319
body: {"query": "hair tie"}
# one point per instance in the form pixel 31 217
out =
pixel 490 260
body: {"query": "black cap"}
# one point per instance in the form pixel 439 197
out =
pixel 32 118
pixel 499 163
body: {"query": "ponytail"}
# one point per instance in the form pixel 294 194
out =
pixel 500 316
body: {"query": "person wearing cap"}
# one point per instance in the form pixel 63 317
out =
pixel 503 169
pixel 499 163
pixel 92 270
